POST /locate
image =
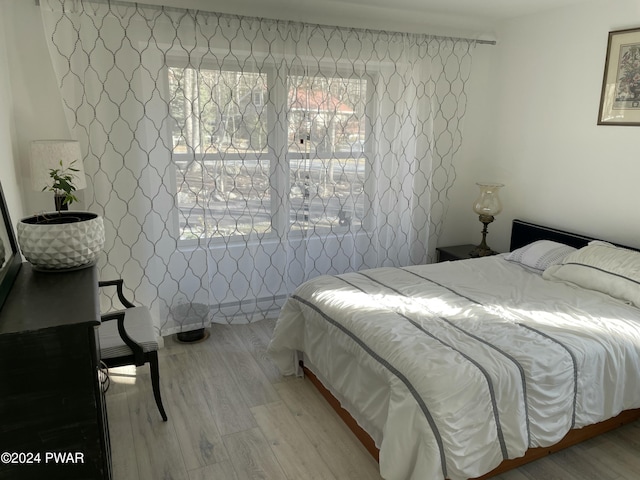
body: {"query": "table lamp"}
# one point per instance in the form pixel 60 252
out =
pixel 487 205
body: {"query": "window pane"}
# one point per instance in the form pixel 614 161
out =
pixel 327 193
pixel 331 111
pixel 223 198
pixel 218 111
pixel 219 134
pixel 327 132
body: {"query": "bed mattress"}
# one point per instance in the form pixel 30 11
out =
pixel 454 367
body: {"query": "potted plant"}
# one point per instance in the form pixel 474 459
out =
pixel 63 239
pixel 63 186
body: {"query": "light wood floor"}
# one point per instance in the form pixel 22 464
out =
pixel 232 416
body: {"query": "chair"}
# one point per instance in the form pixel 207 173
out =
pixel 130 339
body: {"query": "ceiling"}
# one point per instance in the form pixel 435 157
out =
pixel 470 18
pixel 488 9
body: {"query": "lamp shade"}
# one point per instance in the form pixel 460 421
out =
pixel 488 202
pixel 47 154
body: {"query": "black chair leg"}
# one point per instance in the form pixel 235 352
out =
pixel 155 382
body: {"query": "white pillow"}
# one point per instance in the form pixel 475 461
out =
pixel 540 255
pixel 602 267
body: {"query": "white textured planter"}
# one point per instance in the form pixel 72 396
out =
pixel 55 241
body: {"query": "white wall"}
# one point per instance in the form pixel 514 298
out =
pixel 9 167
pixel 37 112
pixel 535 130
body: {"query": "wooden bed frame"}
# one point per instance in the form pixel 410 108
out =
pixel 522 233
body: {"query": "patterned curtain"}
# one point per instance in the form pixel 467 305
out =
pixel 233 158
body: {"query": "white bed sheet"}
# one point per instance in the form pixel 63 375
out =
pixel 454 367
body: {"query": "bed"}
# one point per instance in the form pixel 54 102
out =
pixel 464 369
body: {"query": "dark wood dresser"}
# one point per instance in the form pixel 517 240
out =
pixel 53 419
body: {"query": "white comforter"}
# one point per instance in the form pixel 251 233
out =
pixel 453 367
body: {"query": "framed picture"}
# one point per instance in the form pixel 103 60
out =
pixel 620 98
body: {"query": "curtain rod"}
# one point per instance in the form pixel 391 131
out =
pixel 136 4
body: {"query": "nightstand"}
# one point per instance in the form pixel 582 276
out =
pixel 456 252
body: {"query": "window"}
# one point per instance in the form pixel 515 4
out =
pixel 228 127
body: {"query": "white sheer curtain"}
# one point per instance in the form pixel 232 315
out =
pixel 234 158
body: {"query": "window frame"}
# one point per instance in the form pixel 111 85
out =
pixel 277 141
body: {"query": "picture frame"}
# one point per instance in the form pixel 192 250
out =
pixel 11 260
pixel 620 97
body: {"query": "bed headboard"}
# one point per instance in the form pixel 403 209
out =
pixel 523 233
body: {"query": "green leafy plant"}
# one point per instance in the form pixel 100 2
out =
pixel 63 186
